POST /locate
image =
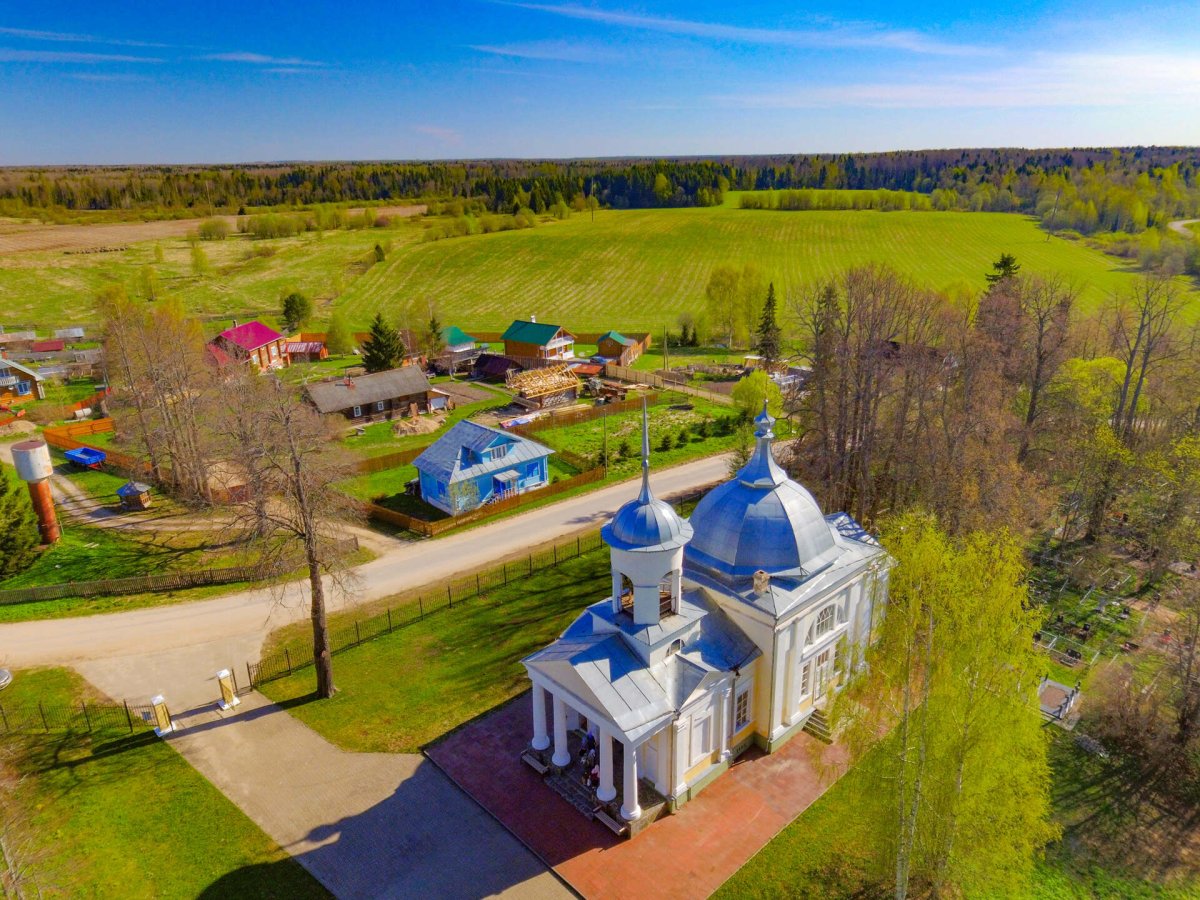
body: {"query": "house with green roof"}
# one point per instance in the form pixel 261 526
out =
pixel 616 346
pixel 460 350
pixel 531 339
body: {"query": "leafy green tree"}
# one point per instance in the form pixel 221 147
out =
pixel 149 283
pixel 18 527
pixel 200 264
pixel 384 349
pixel 338 339
pixel 1005 267
pixel 380 253
pixel 960 805
pixel 297 309
pixel 751 391
pixel 769 335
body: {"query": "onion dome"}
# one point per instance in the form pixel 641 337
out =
pixel 646 523
pixel 761 519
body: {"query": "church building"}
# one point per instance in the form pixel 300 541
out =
pixel 724 631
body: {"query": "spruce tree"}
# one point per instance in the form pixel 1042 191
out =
pixel 1005 267
pixel 768 330
pixel 384 349
pixel 18 528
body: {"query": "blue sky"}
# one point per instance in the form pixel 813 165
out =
pixel 165 82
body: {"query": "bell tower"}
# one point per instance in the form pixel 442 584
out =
pixel 646 539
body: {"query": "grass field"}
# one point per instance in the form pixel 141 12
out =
pixel 639 269
pixel 89 815
pixel 51 289
pixel 400 692
pixel 633 270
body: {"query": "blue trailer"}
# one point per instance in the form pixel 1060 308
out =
pixel 86 457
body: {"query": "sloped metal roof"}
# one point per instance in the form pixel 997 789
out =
pixel 250 335
pixel 361 390
pixel 540 333
pixel 618 337
pixel 452 335
pixel 445 460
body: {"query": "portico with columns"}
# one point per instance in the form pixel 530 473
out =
pixel 729 630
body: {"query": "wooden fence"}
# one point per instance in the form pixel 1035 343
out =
pixel 441 526
pixel 172 581
pixel 66 437
pixel 649 378
pixel 389 460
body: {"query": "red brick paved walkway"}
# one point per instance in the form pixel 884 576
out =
pixel 688 854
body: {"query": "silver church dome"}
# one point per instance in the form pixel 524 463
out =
pixel 646 523
pixel 760 519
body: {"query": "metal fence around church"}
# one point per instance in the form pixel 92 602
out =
pixel 435 599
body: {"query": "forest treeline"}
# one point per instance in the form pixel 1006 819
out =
pixel 1086 190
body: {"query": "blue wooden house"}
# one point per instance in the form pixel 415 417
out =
pixel 472 464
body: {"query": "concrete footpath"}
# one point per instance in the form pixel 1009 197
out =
pixel 369 825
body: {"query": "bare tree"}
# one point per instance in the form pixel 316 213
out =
pixel 287 472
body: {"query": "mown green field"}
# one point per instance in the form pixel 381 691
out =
pixel 639 269
pixel 634 270
pixel 52 288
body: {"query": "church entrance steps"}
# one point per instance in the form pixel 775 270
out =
pixel 818 726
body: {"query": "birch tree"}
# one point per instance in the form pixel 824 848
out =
pixel 281 450
pixel 951 682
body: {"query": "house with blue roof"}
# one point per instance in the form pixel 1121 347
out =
pixel 538 340
pixel 472 464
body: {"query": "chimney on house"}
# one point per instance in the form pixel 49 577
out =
pixel 349 382
pixel 234 325
pixel 533 319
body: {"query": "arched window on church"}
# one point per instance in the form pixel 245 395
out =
pixel 626 594
pixel 675 647
pixel 825 621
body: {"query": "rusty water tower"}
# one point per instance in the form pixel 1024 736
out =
pixel 32 459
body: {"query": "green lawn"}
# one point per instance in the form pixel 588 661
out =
pixel 114 814
pixel 403 690
pixel 639 269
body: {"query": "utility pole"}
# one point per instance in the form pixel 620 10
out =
pixel 1053 213
pixel 604 419
pixel 666 349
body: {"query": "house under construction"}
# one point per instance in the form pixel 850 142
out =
pixel 544 388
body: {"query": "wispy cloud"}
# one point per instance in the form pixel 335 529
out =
pixel 445 135
pixel 7 54
pixel 107 77
pixel 557 51
pixel 67 37
pixel 259 59
pixel 1046 80
pixel 843 36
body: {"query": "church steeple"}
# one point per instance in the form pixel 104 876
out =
pixel 647 538
pixel 761 470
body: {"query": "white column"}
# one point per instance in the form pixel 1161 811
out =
pixel 790 669
pixel 541 740
pixel 562 755
pixel 680 737
pixel 725 717
pixel 630 809
pixel 607 790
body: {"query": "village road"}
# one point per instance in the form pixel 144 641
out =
pixel 228 630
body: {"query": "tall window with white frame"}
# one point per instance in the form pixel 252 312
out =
pixel 741 707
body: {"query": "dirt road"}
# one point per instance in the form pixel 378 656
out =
pixel 24 238
pixel 1180 226
pixel 229 630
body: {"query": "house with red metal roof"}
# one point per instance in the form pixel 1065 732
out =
pixel 255 343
